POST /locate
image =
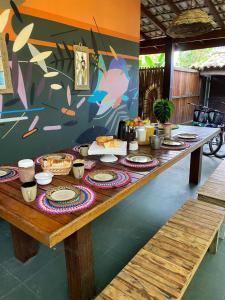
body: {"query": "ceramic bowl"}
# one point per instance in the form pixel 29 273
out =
pixel 44 178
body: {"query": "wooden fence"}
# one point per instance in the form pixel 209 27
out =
pixel 186 88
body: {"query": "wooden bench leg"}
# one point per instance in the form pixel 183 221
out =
pixel 24 245
pixel 222 231
pixel 196 166
pixel 79 262
pixel 213 247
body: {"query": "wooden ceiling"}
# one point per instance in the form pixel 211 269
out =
pixel 157 15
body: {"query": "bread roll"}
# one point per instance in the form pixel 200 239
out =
pixel 112 144
pixel 103 139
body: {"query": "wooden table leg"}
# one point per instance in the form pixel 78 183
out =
pixel 79 263
pixel 24 245
pixel 196 166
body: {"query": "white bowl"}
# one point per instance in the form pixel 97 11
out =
pixel 44 178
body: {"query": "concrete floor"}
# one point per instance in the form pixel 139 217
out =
pixel 117 236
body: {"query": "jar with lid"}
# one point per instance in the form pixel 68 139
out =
pixel 26 170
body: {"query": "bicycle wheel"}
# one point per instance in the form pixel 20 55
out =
pixel 221 152
pixel 214 145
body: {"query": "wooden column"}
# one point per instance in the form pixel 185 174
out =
pixel 79 263
pixel 24 245
pixel 196 166
pixel 169 69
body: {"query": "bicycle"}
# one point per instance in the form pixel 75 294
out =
pixel 204 116
pixel 221 152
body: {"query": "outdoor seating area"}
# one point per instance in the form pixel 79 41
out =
pixel 112 176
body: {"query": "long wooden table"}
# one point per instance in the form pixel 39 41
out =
pixel 30 226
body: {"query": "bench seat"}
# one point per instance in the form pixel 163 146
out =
pixel 213 190
pixel 164 267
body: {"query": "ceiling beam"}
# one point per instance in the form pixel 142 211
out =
pixel 191 45
pixel 215 13
pixel 216 34
pixel 152 18
pixel 173 6
pixel 144 35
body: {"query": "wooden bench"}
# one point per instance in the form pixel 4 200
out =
pixel 164 267
pixel 213 190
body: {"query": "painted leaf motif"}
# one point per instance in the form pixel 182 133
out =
pixel 21 89
pixel 81 102
pixel 16 10
pixel 41 56
pixel 51 74
pixel 56 86
pixel 34 52
pixel 1 104
pixel 23 37
pixel 34 123
pixel 4 19
pixel 113 52
pixel 15 75
pixel 40 87
pixel 69 97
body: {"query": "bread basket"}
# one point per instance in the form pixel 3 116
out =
pixel 59 166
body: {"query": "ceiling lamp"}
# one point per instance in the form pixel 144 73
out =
pixel 192 22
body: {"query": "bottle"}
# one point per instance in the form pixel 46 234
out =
pixel 122 131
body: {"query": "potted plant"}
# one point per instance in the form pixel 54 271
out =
pixel 163 110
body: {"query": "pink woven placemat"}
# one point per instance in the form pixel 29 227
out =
pixel 86 200
pixel 13 175
pixel 122 179
pixel 149 165
pixel 37 160
pixel 184 146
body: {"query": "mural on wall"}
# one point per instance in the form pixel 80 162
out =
pixel 45 113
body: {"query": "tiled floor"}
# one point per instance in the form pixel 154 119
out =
pixel 118 235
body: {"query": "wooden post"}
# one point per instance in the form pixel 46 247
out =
pixel 196 166
pixel 213 247
pixel 79 263
pixel 167 92
pixel 24 245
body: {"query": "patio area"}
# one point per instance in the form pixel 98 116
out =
pixel 112 171
pixel 117 235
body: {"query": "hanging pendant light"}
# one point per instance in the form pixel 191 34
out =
pixel 192 22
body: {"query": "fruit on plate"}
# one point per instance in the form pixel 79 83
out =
pixel 137 122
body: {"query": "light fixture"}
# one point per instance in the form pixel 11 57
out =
pixel 192 22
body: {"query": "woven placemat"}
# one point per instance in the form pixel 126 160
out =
pixel 149 165
pixel 86 199
pixel 122 179
pixel 13 175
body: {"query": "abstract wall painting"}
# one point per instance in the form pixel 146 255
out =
pixel 81 67
pixel 5 75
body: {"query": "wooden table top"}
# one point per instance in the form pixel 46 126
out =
pixel 52 229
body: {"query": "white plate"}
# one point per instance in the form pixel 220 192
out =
pixel 103 176
pixel 172 143
pixel 190 136
pixel 139 158
pixel 63 195
pixel 4 172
